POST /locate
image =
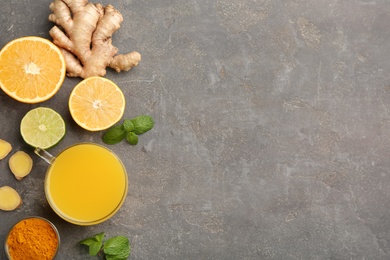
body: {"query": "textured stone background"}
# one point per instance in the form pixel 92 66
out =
pixel 272 132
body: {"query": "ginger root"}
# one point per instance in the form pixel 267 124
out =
pixel 5 148
pixel 20 164
pixel 9 198
pixel 83 33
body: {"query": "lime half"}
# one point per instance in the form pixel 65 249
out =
pixel 42 127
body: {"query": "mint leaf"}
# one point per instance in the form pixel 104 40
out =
pixel 94 243
pixel 99 237
pixel 114 257
pixel 124 254
pixel 88 241
pixel 128 125
pixel 142 124
pixel 118 246
pixel 95 248
pixel 114 135
pixel 132 138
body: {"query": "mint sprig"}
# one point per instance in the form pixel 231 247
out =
pixel 129 130
pixel 114 248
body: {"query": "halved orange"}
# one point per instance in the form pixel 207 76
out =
pixel 96 103
pixel 32 69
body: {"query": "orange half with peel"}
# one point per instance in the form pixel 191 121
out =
pixel 32 69
pixel 96 103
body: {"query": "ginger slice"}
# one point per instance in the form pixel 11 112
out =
pixel 9 199
pixel 5 148
pixel 20 164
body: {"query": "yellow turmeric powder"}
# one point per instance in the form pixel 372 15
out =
pixel 33 239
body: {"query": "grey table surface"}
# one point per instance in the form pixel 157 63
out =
pixel 272 134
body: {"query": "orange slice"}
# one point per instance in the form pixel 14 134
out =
pixel 32 69
pixel 96 103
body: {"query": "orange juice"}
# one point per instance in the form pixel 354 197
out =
pixel 86 184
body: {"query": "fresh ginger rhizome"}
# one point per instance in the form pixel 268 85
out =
pixel 83 32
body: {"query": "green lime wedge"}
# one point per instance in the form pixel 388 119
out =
pixel 42 127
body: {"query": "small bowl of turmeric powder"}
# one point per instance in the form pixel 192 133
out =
pixel 33 238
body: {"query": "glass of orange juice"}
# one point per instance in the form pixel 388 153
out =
pixel 85 184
